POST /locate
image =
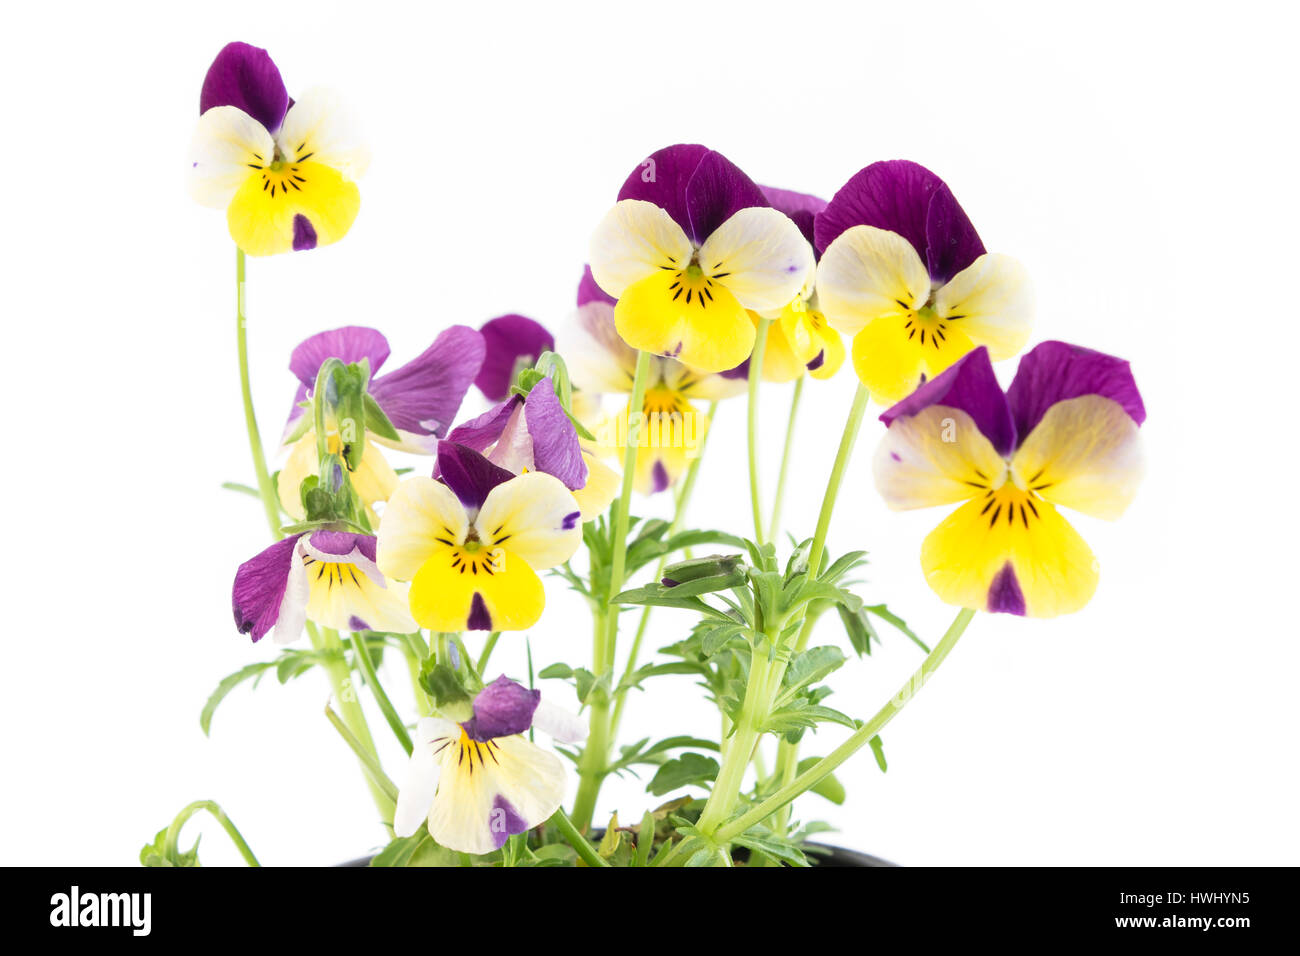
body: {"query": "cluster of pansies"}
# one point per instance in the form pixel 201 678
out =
pixel 691 264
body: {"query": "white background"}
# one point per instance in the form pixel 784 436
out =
pixel 1138 158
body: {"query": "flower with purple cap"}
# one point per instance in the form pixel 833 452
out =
pixel 513 342
pixel 601 363
pixel 471 541
pixel 690 245
pixel 420 399
pixel 1065 433
pixel 329 577
pixel 477 783
pixel 904 272
pixel 284 170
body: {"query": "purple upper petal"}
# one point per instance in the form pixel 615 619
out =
pixel 243 76
pixel 259 588
pixel 468 474
pixel 908 199
pixel 970 385
pixel 699 188
pixel 423 396
pixel 802 208
pixel 350 344
pixel 555 441
pixel 501 709
pixel 1055 371
pixel 507 339
pixel 482 432
pixel 589 291
pixel 344 543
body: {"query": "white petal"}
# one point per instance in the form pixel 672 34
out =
pixel 418 514
pixel 765 258
pixel 422 772
pixel 533 516
pixel 995 300
pixel 598 359
pixel 559 723
pixel 293 606
pixel 320 126
pixel 225 143
pixel 634 240
pixel 868 273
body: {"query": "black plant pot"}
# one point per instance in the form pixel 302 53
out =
pixel 820 855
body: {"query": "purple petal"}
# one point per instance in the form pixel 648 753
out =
pixel 259 588
pixel 970 385
pixel 802 208
pixel 480 433
pixel 908 199
pixel 350 344
pixel 340 544
pixel 741 371
pixel 555 441
pixel 699 188
pixel 423 396
pixel 479 618
pixel 468 474
pixel 304 233
pixel 356 624
pixel 1005 596
pixel 508 338
pixel 1055 371
pixel 659 478
pixel 505 821
pixel 243 76
pixel 502 708
pixel 589 291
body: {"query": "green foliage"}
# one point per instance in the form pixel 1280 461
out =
pixel 690 769
pixel 155 853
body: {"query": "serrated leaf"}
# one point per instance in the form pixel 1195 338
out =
pixel 690 769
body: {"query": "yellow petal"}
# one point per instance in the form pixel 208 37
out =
pixel 868 274
pixel 811 339
pixel 228 148
pixel 292 205
pixel 533 515
pixel 688 316
pixel 892 354
pixel 421 518
pixel 1084 454
pixel 374 479
pixel 991 300
pixel 936 457
pixel 1010 551
pixel 602 487
pixel 480 587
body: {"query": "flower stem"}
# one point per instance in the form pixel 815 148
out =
pixel 376 773
pixel 591 768
pixel 362 655
pixel 488 647
pixel 779 500
pixel 170 847
pixel 740 750
pixel 858 739
pixel 755 377
pixel 586 852
pixel 266 491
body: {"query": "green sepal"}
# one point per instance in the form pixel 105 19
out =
pixel 443 685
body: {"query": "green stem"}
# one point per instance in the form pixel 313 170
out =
pixel 170 848
pixel 586 851
pixel 591 768
pixel 740 750
pixel 362 655
pixel 858 739
pixel 755 377
pixel 368 761
pixel 488 646
pixel 415 652
pixel 779 500
pixel 270 502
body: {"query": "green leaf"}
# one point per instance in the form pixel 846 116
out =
pixel 442 684
pixel 878 749
pixel 560 671
pixel 152 854
pixel 419 849
pixel 812 665
pixel 645 840
pixel 890 617
pixel 829 786
pixel 687 770
pixel 377 421
pixel 229 683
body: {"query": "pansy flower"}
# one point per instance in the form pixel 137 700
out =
pixel 1065 433
pixel 691 244
pixel 472 541
pixel 799 339
pixel 534 433
pixel 903 271
pixel 480 782
pixel 420 399
pixel 601 363
pixel 512 342
pixel 283 169
pixel 329 577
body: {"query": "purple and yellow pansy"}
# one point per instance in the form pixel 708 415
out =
pixel 690 247
pixel 329 577
pixel 472 541
pixel 284 169
pixel 477 783
pixel 420 399
pixel 600 362
pixel 1065 433
pixel 904 272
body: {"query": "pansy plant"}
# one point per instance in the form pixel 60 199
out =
pixel 472 541
pixel 904 272
pixel 1065 433
pixel 690 245
pixel 284 169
